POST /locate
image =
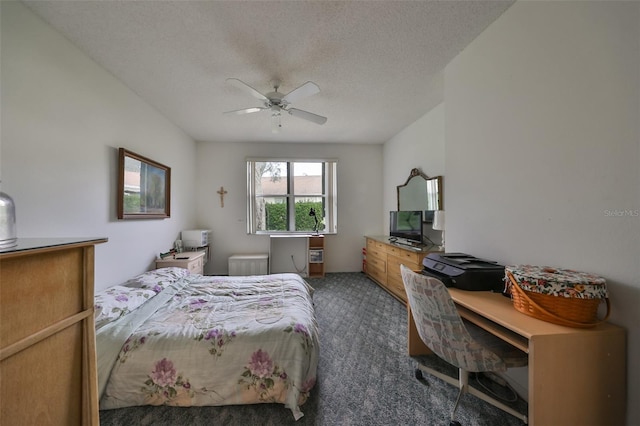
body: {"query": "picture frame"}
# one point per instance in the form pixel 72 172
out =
pixel 144 187
pixel 316 256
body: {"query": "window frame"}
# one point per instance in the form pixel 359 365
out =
pixel 329 194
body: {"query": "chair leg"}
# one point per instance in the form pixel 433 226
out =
pixel 463 385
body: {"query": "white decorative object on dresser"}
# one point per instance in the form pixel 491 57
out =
pixel 192 260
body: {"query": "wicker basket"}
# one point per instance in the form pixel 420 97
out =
pixel 567 311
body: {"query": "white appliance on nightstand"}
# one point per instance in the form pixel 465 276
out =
pixel 195 238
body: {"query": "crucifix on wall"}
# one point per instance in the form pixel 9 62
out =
pixel 222 193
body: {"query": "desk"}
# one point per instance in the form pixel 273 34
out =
pixel 576 376
pixel 304 254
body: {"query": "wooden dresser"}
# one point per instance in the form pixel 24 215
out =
pixel 383 260
pixel 47 336
pixel 192 260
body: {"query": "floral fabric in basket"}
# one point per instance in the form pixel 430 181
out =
pixel 559 282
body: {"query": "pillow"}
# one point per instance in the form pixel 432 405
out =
pixel 158 279
pixel 118 301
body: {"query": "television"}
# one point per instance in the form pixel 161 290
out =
pixel 406 224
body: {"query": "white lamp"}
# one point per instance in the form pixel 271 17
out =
pixel 438 224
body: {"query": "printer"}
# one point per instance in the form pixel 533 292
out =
pixel 464 271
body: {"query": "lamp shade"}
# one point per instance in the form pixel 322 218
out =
pixel 438 220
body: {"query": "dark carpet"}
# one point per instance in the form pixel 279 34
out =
pixel 365 376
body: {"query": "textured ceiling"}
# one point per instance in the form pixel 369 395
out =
pixel 378 63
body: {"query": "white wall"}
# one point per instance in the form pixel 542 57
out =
pixel 63 118
pixel 543 148
pixel 359 198
pixel 421 145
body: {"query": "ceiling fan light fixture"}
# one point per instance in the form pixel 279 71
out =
pixel 276 123
pixel 277 102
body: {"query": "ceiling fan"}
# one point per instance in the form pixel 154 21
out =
pixel 277 103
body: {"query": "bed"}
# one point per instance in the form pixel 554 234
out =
pixel 168 337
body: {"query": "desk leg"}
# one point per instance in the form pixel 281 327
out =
pixel 578 379
pixel 415 344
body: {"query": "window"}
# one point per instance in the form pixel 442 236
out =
pixel 282 194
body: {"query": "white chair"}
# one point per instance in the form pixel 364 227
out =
pixel 462 344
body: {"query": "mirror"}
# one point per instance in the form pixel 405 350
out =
pixel 420 192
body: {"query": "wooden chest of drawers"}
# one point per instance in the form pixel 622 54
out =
pixel 384 260
pixel 47 336
pixel 191 260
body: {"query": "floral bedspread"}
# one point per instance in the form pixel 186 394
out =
pixel 209 340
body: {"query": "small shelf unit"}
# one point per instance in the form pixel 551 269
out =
pixel 316 256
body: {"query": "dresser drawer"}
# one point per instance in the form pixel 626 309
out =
pixel 375 248
pixel 40 290
pixel 395 285
pixel 377 275
pixel 195 267
pixel 375 262
pixel 393 265
pixel 407 255
pixel 375 244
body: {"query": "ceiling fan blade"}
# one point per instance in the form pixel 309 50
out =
pixel 307 89
pixel 318 119
pixel 245 111
pixel 244 86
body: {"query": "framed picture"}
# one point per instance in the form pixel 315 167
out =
pixel 144 187
pixel 316 256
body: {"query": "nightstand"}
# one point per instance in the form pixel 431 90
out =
pixel 191 260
